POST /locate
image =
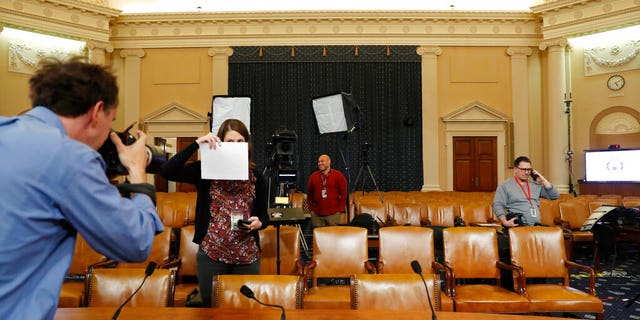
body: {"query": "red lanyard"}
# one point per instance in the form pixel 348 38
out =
pixel 324 178
pixel 528 195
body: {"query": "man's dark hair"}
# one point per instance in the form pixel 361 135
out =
pixel 516 163
pixel 71 88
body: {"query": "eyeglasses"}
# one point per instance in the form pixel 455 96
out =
pixel 524 169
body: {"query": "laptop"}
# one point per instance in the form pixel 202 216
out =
pixel 285 215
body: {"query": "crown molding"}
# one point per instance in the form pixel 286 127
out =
pixel 65 18
pixel 566 18
pixel 326 28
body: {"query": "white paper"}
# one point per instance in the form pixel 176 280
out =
pixel 229 161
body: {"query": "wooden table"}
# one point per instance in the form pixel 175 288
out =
pixel 272 314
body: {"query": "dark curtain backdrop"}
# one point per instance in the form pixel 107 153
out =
pixel 386 85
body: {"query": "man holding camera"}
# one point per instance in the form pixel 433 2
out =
pixel 517 201
pixel 54 186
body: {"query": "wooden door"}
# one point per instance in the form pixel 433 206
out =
pixel 182 143
pixel 475 164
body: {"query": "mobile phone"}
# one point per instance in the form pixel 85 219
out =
pixel 243 224
pixel 534 176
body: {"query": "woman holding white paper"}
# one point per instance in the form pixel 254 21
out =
pixel 227 246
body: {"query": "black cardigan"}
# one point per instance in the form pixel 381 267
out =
pixel 177 169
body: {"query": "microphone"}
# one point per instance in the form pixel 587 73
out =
pixel 415 265
pixel 151 267
pixel 249 294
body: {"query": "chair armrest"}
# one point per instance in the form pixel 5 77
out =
pixel 170 264
pixel 447 277
pixel 592 275
pixel 380 266
pixel 307 273
pixel 520 282
pixel 299 268
pixel 368 265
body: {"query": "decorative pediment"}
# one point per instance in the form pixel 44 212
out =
pixel 476 112
pixel 174 113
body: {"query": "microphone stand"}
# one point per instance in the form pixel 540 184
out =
pixel 415 265
pixel 247 292
pixel 151 267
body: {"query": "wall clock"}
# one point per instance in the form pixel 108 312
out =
pixel 615 82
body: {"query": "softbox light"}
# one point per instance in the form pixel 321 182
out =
pixel 227 107
pixel 333 112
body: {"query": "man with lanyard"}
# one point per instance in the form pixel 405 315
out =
pixel 520 197
pixel 326 194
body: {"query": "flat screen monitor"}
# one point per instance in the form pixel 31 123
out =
pixel 616 165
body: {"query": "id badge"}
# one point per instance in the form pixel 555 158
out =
pixel 324 193
pixel 533 212
pixel 235 216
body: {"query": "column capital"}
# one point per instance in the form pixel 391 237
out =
pixel 513 51
pixel 560 42
pixel 100 45
pixel 132 53
pixel 423 50
pixel 216 51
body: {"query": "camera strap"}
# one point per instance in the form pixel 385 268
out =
pixel 126 189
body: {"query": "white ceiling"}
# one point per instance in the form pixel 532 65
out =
pixel 146 6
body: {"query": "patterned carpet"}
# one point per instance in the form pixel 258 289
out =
pixel 618 284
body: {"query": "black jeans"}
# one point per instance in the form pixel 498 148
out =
pixel 207 268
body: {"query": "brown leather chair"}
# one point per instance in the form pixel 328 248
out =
pixel 442 214
pixel 573 214
pixel 407 213
pixel 187 276
pixel 549 212
pixel 84 257
pixel 338 252
pixel 393 292
pixel 471 253
pixel 290 262
pixel 476 212
pixel 539 252
pixel 284 290
pixel 400 245
pixel 110 287
pixel 160 253
pixel 375 208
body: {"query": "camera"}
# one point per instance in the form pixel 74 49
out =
pixel 114 168
pixel 511 215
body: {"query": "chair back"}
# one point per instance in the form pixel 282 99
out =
pixel 476 212
pixel 472 252
pixel 400 245
pixel 284 290
pixel 407 213
pixel 539 251
pixel 549 211
pixel 339 251
pixel 160 251
pixel 110 287
pixel 289 250
pixel 574 212
pixel 382 292
pixel 375 208
pixel 83 257
pixel 187 252
pixel 442 214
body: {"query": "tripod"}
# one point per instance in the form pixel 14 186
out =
pixel 364 164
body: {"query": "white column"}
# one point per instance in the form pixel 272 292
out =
pixel 98 51
pixel 520 99
pixel 131 104
pixel 430 123
pixel 220 69
pixel 556 170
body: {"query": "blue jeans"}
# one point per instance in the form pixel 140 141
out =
pixel 207 268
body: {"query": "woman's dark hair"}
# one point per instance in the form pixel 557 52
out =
pixel 239 127
pixel 71 88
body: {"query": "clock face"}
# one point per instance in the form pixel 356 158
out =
pixel 615 82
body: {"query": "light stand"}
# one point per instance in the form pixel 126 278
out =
pixel 364 164
pixel 569 157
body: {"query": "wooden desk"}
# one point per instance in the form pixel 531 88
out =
pixel 272 314
pixel 599 188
